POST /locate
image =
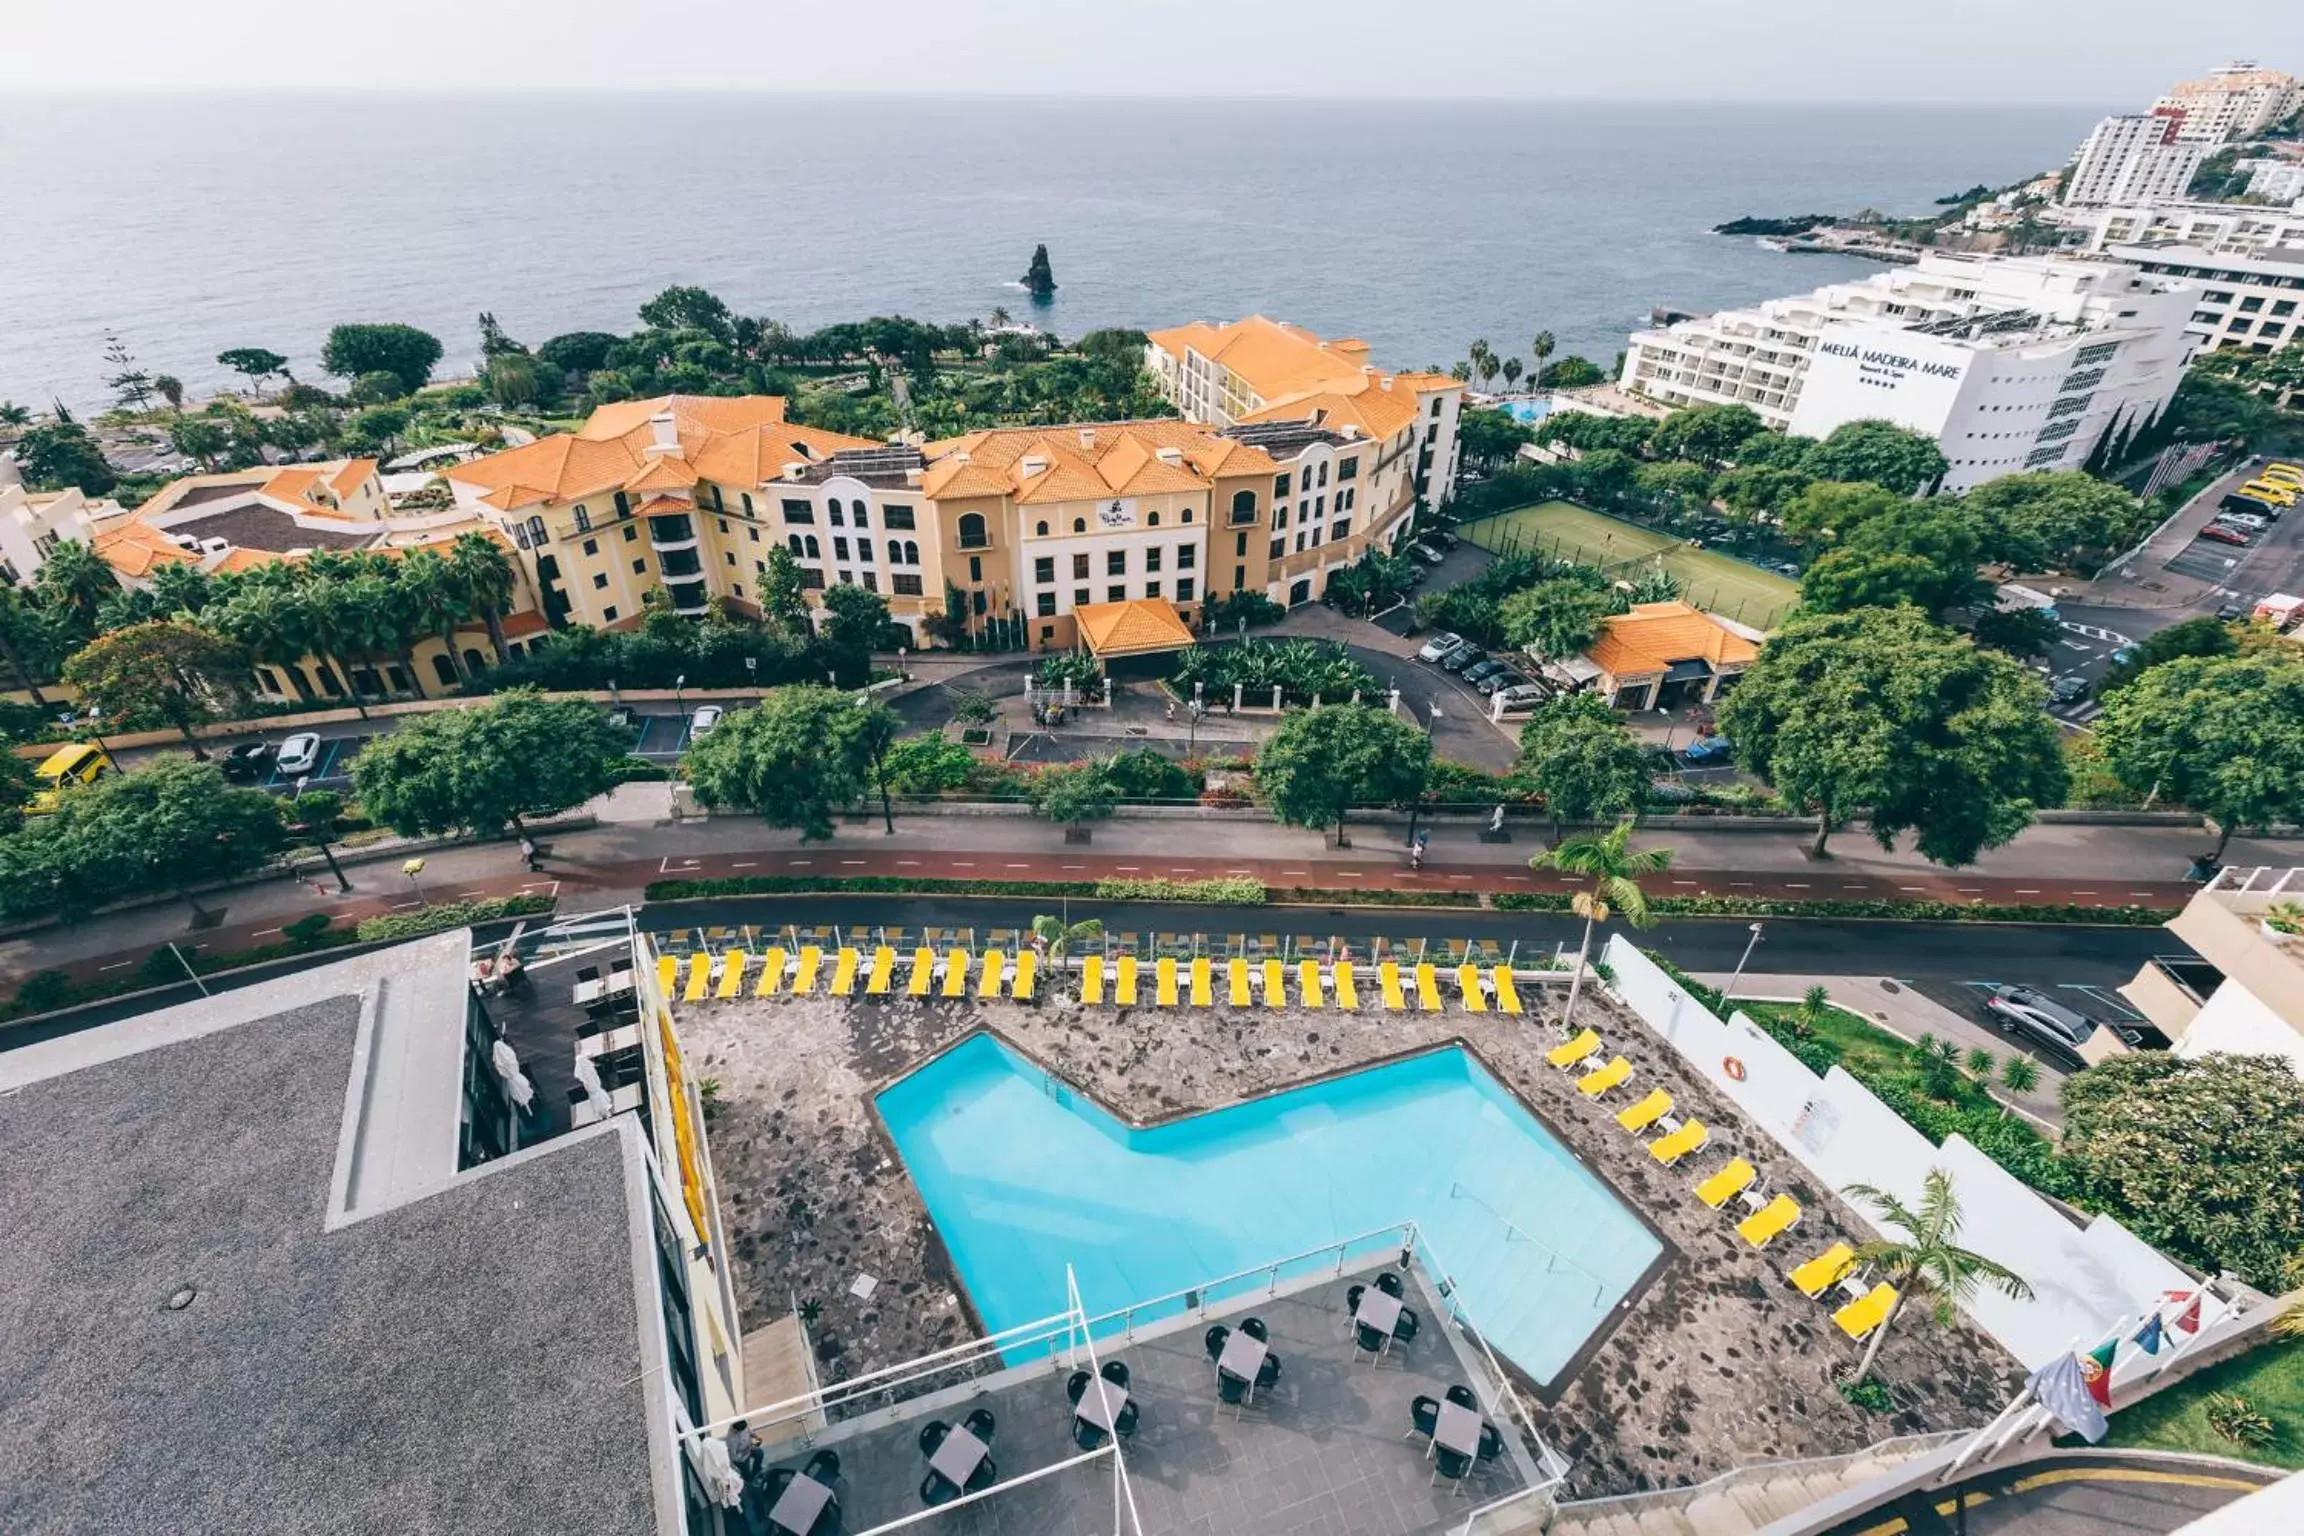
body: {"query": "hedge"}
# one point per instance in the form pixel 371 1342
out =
pixel 448 914
pixel 1230 892
pixel 1240 891
pixel 1905 911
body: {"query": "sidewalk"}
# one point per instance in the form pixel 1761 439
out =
pixel 634 844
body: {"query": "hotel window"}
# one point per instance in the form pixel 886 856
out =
pixel 1116 562
pixel 1187 514
pixel 972 534
pixel 623 505
pixel 1186 555
pixel 1339 529
pixel 639 567
pixel 599 581
pixel 1319 507
pixel 1152 521
pixel 537 534
pixel 833 506
pixel 1039 530
pixel 755 534
pixel 591 547
pixel 896 516
pixel 864 550
pixel 1045 605
pixel 976 570
pixel 1079 525
pixel 1079 567
pixel 632 533
pixel 747 495
pixel 839 546
pixel 1152 589
pixel 1239 577
pixel 1044 570
pixel 905 586
pixel 1183 589
pixel 1079 597
pixel 760 567
pixel 797 511
pixel 1151 560
pixel 1279 515
pixel 1301 536
pixel 723 521
pixel 1279 548
pixel 1116 593
pixel 1279 487
pixel 1244 506
pixel 736 588
pixel 1323 472
pixel 856 511
pixel 728 555
pixel 583 519
pixel 1348 469
pixel 608 614
pixel 1240 546
pixel 871 581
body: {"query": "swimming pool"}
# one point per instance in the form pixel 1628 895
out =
pixel 1023 1175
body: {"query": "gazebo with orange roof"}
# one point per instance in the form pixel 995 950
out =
pixel 1137 635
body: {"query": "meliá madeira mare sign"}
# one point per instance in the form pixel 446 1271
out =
pixel 1877 365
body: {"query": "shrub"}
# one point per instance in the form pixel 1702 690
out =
pixel 1300 669
pixel 306 930
pixel 1238 890
pixel 42 990
pixel 1073 669
pixel 638 770
pixel 449 914
pixel 160 968
pixel 1146 775
pixel 1225 613
pixel 1870 1394
pixel 2240 1421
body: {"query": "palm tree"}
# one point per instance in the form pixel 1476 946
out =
pixel 1511 372
pixel 2019 1073
pixel 436 601
pixel 1613 865
pixel 1480 357
pixel 1000 316
pixel 1929 1261
pixel 270 625
pixel 484 580
pixel 1542 347
pixel 14 415
pixel 1059 937
pixel 15 613
pixel 75 574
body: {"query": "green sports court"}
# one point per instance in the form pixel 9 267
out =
pixel 1714 582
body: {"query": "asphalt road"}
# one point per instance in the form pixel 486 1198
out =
pixel 2078 1495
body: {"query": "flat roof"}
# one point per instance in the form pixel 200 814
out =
pixel 464 1357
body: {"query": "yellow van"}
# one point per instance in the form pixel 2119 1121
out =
pixel 67 768
pixel 2283 474
pixel 2272 491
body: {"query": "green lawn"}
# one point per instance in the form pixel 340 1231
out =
pixel 2270 1377
pixel 1714 582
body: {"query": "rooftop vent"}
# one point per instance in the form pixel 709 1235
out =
pixel 1088 438
pixel 1169 455
pixel 1034 464
pixel 215 546
pixel 663 433
pixel 794 469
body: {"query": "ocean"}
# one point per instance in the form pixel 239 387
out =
pixel 192 224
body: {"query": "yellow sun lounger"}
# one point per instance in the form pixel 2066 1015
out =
pixel 844 972
pixel 995 967
pixel 1275 985
pixel 883 970
pixel 955 973
pixel 1427 988
pixel 1866 1312
pixel 1092 979
pixel 1236 979
pixel 1725 1185
pixel 1347 989
pixel 1027 975
pixel 1595 1083
pixel 1507 995
pixel 923 973
pixel 1777 1216
pixel 1823 1272
pixel 1468 983
pixel 804 981
pixel 699 978
pixel 1672 1146
pixel 667 974
pixel 771 972
pixel 1388 977
pixel 1308 984
pixel 1124 990
pixel 1201 974
pixel 732 973
pixel 1164 981
pixel 1574 1051
pixel 1647 1112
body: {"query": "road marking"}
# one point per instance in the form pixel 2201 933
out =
pixel 799 861
pixel 961 863
pixel 859 861
pixel 1292 871
pixel 2139 893
pixel 1683 882
pixel 1911 887
pixel 1127 869
pixel 1796 885
pixel 1523 879
pixel 1852 887
pixel 745 864
pixel 1969 890
pixel 1745 883
pixel 2127 1475
pixel 1019 866
pixel 2083 893
pixel 259 933
pixel 1071 866
pixel 907 863
pixel 117 965
pixel 1459 877
pixel 396 906
pixel 2029 890
pixel 1348 874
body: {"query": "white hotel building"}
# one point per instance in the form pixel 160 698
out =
pixel 2011 364
pixel 2135 158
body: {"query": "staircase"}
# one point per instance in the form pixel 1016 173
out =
pixel 1744 1500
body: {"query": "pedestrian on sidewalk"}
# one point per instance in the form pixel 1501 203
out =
pixel 528 852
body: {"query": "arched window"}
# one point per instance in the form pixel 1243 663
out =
pixel 1187 514
pixel 1243 506
pixel 1152 521
pixel 798 548
pixel 1040 530
pixel 747 495
pixel 834 504
pixel 972 535
pixel 814 551
pixel 911 552
pixel 1079 525
pixel 536 533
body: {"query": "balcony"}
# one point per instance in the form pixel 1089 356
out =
pixel 676 532
pixel 975 541
pixel 688 597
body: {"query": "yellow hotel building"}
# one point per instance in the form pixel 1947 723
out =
pixel 1025 524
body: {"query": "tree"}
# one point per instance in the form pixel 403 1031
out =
pixel 1830 511
pixel 434 596
pixel 1921 553
pixel 928 765
pixel 1058 938
pixel 166 672
pixel 1613 867
pixel 59 454
pixel 258 363
pixel 200 437
pixel 1073 793
pixel 169 826
pixel 494 343
pixel 2203 636
pixel 1880 452
pixel 578 352
pixel 1512 370
pixel 1541 350
pixel 688 309
pixel 13 415
pixel 2051 518
pixel 1555 619
pixel 75 575
pixel 1708 434
pixel 1571 372
pixel 1880 711
pixel 400 350
pixel 169 388
pixel 1489 439
pixel 130 384
pixel 16 788
pixel 1322 762
pixel 2018 631
pixel 867 734
pixel 1578 755
pixel 2221 734
pixel 490 765
pixel 786 760
pixel 783 596
pixel 856 623
pixel 484 579
pixel 511 378
pixel 1928 1261
pixel 28 640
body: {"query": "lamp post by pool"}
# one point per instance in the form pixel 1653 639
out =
pixel 1749 944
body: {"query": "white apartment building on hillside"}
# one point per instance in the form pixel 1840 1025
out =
pixel 2235 102
pixel 2010 363
pixel 2215 226
pixel 2133 158
pixel 2250 299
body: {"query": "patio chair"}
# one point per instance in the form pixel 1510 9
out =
pixel 1087 1436
pixel 1370 1339
pixel 1468 984
pixel 1215 1339
pixel 1116 1372
pixel 1092 981
pixel 1451 1465
pixel 811 961
pixel 1164 982
pixel 1275 987
pixel 1390 1283
pixel 1255 1329
pixel 1404 1329
pixel 955 973
pixel 1647 1112
pixel 932 1436
pixel 1598 1081
pixel 667 974
pixel 937 1489
pixel 1463 1397
pixel 1236 982
pixel 1566 1056
pixel 1124 984
pixel 980 1423
pixel 1491 1443
pixel 1201 996
pixel 1078 1385
pixel 1268 1373
pixel 1231 1390
pixel 1507 995
pixel 1866 1312
pixel 1347 988
pixel 923 973
pixel 995 970
pixel 1427 987
pixel 1727 1184
pixel 771 972
pixel 1125 1422
pixel 732 974
pixel 1675 1145
pixel 1308 989
pixel 1778 1216
pixel 824 1466
pixel 1423 1417
pixel 1388 977
pixel 883 969
pixel 986 1474
pixel 699 978
pixel 1822 1272
pixel 773 1485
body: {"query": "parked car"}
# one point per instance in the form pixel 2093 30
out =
pixel 1426 553
pixel 299 754
pixel 1439 647
pixel 245 763
pixel 2068 690
pixel 1523 696
pixel 706 717
pixel 1463 656
pixel 1441 538
pixel 2247 520
pixel 2043 1020
pixel 1707 749
pixel 1501 679
pixel 1484 669
pixel 2221 534
pixel 2229 613
pixel 2255 506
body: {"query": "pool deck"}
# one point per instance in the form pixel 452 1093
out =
pixel 1717 1363
pixel 1326 1452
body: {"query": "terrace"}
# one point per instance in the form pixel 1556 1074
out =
pixel 1712 1361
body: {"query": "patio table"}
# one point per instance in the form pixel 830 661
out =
pixel 1458 1429
pixel 958 1457
pixel 1243 1357
pixel 1100 1405
pixel 803 1500
pixel 1378 1310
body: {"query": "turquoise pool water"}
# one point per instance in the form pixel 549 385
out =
pixel 1023 1176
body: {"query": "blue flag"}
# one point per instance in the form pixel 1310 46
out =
pixel 2061 1387
pixel 2148 1337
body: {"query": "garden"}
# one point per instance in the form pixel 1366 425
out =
pixel 1303 670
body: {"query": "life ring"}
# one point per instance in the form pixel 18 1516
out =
pixel 1732 1067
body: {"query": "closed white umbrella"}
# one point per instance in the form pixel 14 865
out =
pixel 507 1063
pixel 709 1455
pixel 588 1078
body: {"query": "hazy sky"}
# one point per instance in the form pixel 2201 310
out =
pixel 2112 52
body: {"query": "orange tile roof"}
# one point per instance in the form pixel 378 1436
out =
pixel 663 473
pixel 1087 462
pixel 1653 636
pixel 290 484
pixel 347 481
pixel 134 548
pixel 1300 377
pixel 698 413
pixel 1132 628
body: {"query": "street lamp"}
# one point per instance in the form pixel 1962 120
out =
pixel 679 699
pixel 412 868
pixel 96 714
pixel 1749 944
pixel 320 841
